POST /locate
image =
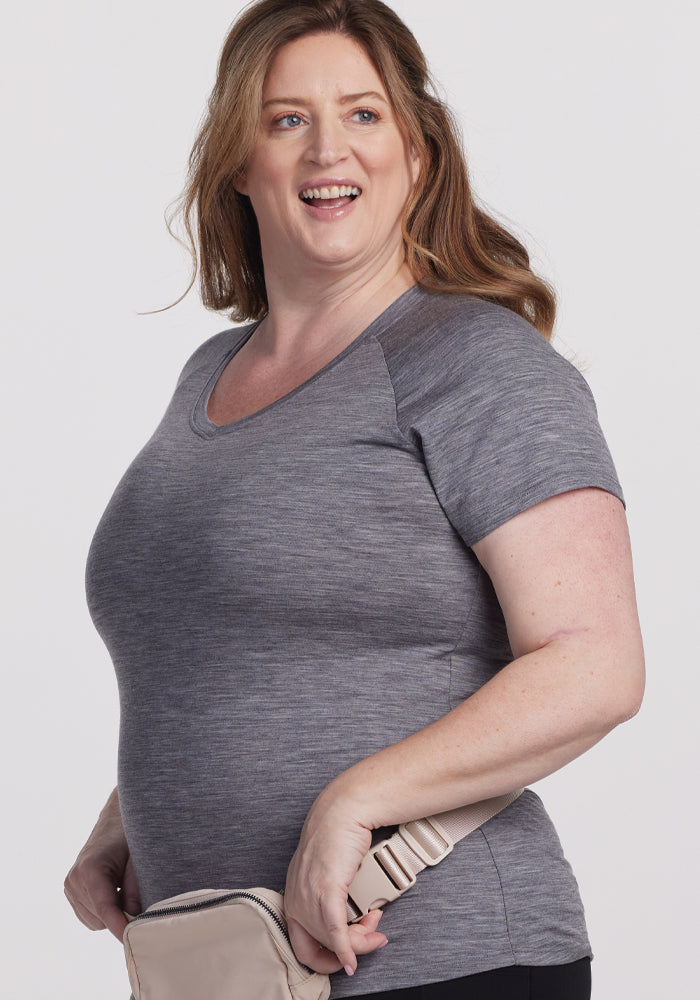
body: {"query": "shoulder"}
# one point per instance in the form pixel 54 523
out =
pixel 501 419
pixel 212 350
pixel 444 343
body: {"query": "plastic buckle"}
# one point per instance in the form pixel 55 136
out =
pixel 427 839
pixel 372 888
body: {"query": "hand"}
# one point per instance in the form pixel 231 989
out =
pixel 331 847
pixel 101 886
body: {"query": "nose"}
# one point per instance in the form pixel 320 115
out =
pixel 328 142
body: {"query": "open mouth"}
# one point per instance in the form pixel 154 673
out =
pixel 330 197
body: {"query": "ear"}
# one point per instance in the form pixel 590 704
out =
pixel 415 162
pixel 240 183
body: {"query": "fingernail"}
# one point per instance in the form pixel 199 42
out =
pixel 384 943
pixel 349 969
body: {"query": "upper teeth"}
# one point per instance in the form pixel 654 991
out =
pixel 344 191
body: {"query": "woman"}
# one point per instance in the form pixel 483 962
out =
pixel 373 563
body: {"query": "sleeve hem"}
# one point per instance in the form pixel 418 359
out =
pixel 527 500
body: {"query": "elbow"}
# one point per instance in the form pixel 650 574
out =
pixel 624 698
pixel 628 706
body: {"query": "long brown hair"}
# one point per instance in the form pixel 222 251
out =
pixel 452 245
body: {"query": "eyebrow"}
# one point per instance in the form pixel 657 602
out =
pixel 345 99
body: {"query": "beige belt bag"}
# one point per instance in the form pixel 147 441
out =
pixel 226 944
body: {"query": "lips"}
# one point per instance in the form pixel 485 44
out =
pixel 329 199
pixel 325 194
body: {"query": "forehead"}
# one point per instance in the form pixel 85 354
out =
pixel 328 64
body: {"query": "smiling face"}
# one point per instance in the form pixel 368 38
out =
pixel 331 169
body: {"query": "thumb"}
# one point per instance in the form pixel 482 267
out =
pixel 339 938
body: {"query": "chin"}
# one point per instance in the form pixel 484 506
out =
pixel 334 255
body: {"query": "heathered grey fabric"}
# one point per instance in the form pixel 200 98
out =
pixel 289 593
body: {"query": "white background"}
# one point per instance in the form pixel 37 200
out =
pixel 580 130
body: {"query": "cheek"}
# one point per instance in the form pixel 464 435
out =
pixel 386 160
pixel 267 168
pixel 404 167
pixel 268 193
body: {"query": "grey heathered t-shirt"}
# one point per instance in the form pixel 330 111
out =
pixel 289 593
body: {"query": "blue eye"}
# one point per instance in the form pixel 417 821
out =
pixel 288 121
pixel 366 117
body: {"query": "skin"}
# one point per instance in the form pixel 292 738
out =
pixel 562 570
pixel 328 278
pixel 101 885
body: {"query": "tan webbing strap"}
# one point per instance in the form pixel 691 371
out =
pixel 390 867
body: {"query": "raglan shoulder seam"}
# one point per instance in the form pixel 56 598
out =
pixel 405 437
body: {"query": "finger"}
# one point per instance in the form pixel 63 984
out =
pixel 364 942
pixel 85 916
pixel 104 904
pixel 311 952
pixel 364 936
pixel 338 938
pixel 115 921
pixel 362 933
pixel 370 920
pixel 81 903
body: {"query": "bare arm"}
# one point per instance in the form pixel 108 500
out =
pixel 562 571
pixel 101 885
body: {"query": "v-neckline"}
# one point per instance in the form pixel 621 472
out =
pixel 204 426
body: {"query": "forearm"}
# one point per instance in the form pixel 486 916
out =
pixel 561 572
pixel 537 714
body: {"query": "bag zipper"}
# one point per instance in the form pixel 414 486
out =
pixel 205 904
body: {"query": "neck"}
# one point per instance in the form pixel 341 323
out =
pixel 313 313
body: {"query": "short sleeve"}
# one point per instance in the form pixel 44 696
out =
pixel 502 419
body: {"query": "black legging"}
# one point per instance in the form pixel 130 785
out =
pixel 516 982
